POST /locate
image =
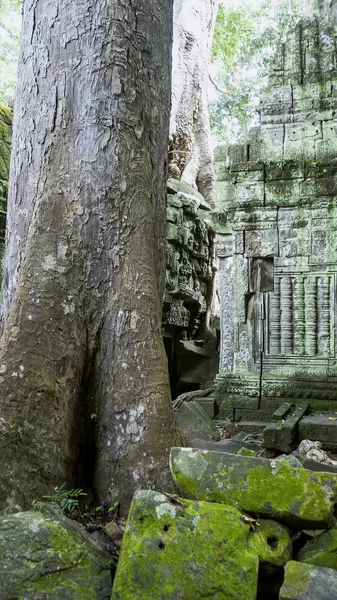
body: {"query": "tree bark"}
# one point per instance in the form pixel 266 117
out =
pixel 84 392
pixel 190 155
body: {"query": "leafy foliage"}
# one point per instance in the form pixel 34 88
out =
pixel 67 499
pixel 245 41
pixel 10 11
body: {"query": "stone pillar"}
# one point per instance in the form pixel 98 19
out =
pixel 287 329
pixel 323 316
pixel 274 333
pixel 311 316
pixel 299 316
pixel 226 292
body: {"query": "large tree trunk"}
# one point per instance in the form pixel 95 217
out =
pixel 84 393
pixel 190 157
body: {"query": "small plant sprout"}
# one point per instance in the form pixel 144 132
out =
pixel 114 506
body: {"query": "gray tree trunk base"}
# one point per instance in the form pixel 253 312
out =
pixel 82 363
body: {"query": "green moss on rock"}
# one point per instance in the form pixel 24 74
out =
pixel 193 551
pixel 308 582
pixel 321 550
pixel 245 452
pixel 296 497
pixel 50 557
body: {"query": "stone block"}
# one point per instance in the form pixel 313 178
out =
pixel 174 186
pixel 229 445
pixel 238 401
pixel 237 153
pixel 252 426
pixel 209 405
pixel 281 435
pixel 321 550
pixel 282 193
pixel 50 556
pixel 298 498
pixel 248 194
pixel 282 411
pixel 189 550
pixel 285 170
pixel 193 550
pixel 300 140
pixel 305 582
pixel 255 415
pixel 322 427
pixel 193 418
pixel 272 142
pixel 261 242
pixel 313 465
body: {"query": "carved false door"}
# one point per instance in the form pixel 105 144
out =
pixel 300 317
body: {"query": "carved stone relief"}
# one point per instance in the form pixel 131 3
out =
pixel 189 281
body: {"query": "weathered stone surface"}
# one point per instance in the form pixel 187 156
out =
pixel 210 405
pixel 313 465
pixel 283 411
pixel 281 435
pixel 227 445
pixel 320 427
pixel 195 421
pixel 305 582
pixel 175 186
pixel 50 557
pixel 271 489
pixel 193 550
pixel 321 550
pixel 252 426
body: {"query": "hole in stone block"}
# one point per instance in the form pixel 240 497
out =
pixel 272 542
pixel 161 545
pixel 167 527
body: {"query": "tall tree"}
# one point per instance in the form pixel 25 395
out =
pixel 84 393
pixel 190 155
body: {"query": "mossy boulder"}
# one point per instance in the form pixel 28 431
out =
pixel 321 550
pixel 50 557
pixel 180 549
pixel 271 489
pixel 306 582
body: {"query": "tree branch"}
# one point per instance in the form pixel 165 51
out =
pixel 216 86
